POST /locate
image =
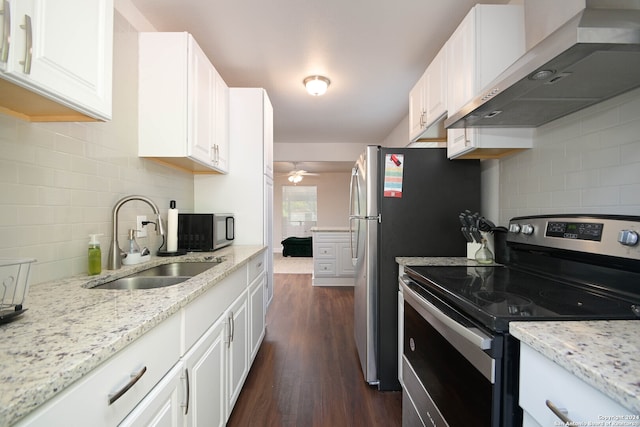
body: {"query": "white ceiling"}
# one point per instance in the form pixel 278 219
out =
pixel 372 50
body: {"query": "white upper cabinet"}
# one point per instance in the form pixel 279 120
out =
pixel 417 109
pixel 56 59
pixel 436 88
pixel 183 107
pixel 428 101
pixel 487 41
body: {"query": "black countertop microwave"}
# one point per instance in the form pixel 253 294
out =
pixel 205 231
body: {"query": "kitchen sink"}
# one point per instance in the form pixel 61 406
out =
pixel 160 276
pixel 143 282
pixel 188 269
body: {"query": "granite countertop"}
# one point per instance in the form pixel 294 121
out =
pixel 68 329
pixel 330 229
pixel 441 261
pixel 604 354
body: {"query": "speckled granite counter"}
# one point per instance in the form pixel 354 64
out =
pixel 440 261
pixel 68 330
pixel 443 261
pixel 604 354
pixel 331 229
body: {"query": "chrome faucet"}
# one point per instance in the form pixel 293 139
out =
pixel 114 261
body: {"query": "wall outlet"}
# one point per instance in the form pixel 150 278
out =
pixel 140 230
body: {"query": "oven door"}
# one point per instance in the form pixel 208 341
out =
pixel 448 372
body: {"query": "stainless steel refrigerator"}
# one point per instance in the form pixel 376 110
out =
pixel 404 202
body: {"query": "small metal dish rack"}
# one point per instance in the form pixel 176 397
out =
pixel 14 286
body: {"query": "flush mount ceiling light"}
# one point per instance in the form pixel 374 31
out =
pixel 316 85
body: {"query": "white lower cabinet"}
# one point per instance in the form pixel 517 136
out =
pixel 332 265
pixel 163 407
pixel 187 371
pixel 542 380
pixel 257 309
pixel 205 365
pixel 238 361
pixel 107 394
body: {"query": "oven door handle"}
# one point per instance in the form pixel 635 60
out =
pixel 471 342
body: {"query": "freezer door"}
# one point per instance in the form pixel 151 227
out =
pixel 364 226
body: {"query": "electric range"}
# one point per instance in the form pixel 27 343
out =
pixel 569 267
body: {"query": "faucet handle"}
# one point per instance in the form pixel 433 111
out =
pixel 159 226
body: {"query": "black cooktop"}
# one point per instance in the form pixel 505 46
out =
pixel 496 295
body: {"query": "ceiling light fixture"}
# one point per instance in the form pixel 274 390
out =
pixel 295 178
pixel 316 85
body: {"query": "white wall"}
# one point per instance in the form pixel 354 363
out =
pixel 333 202
pixel 59 181
pixel 588 162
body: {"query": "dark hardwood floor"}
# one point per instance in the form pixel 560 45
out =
pixel 307 371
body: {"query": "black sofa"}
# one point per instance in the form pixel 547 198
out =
pixel 297 246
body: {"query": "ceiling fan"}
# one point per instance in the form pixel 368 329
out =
pixel 296 175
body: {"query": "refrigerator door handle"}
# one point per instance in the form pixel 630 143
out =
pixel 353 255
pixel 353 198
pixel 354 175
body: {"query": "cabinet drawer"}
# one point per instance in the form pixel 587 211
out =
pixel 87 401
pixel 325 268
pixel 541 379
pixel 203 312
pixel 256 266
pixel 324 251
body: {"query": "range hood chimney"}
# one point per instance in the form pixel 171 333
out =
pixel 592 57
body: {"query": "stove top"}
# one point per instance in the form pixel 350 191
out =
pixel 494 296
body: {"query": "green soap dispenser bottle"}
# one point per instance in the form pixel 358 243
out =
pixel 95 255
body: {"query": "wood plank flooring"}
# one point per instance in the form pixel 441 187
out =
pixel 307 371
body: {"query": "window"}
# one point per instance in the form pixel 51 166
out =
pixel 299 210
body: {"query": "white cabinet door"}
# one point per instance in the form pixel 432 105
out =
pixel 62 50
pixel 257 311
pixel 417 109
pixel 345 264
pixel 164 406
pixel 206 367
pixel 201 99
pixel 486 42
pixel 221 123
pixel 268 135
pixel 238 349
pixel 436 88
pixel 461 58
pixel 268 235
pixel 178 124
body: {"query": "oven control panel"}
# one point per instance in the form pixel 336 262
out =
pixel 613 235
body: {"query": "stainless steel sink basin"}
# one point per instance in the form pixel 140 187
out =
pixel 160 276
pixel 143 282
pixel 188 269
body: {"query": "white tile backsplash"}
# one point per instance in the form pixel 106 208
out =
pixel 588 162
pixel 59 181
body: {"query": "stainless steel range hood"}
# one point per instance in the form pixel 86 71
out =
pixel 592 57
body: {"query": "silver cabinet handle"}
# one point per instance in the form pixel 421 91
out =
pixel 134 379
pixel 28 49
pixel 185 377
pixel 233 328
pixel 6 30
pixel 560 413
